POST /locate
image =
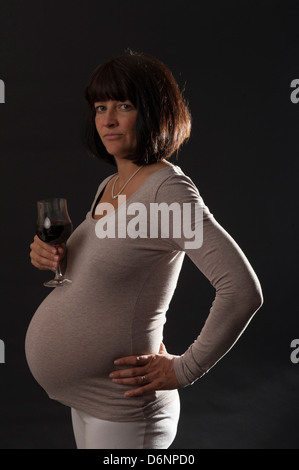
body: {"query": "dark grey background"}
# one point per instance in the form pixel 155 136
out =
pixel 236 60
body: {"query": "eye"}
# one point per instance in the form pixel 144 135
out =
pixel 100 108
pixel 126 106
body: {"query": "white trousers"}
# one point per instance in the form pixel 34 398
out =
pixel 157 432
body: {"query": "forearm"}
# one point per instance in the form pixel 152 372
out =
pixel 226 322
pixel 238 297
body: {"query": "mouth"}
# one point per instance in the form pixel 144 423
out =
pixel 112 136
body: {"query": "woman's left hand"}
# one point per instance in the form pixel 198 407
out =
pixel 149 372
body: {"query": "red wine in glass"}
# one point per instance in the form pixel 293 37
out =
pixel 54 226
pixel 56 233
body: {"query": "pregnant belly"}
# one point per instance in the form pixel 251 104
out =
pixel 66 346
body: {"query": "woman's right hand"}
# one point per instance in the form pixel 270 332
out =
pixel 45 256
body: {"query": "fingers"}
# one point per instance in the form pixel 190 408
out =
pixel 45 256
pixel 144 384
pixel 130 373
pixel 142 363
pixel 140 391
pixel 130 380
pixel 133 360
pixel 132 376
pixel 149 373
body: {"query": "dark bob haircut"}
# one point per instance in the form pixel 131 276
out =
pixel 163 119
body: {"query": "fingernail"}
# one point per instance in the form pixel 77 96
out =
pixel 116 362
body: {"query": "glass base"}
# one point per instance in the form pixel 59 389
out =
pixel 57 282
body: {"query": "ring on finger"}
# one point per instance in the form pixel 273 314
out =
pixel 143 379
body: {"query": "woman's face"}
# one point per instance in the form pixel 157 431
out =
pixel 116 125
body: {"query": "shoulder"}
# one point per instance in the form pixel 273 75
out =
pixel 176 185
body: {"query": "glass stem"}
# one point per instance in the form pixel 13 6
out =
pixel 58 273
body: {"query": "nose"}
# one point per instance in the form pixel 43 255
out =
pixel 110 118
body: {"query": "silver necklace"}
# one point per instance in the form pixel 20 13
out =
pixel 116 195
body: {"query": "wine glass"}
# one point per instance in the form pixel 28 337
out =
pixel 54 226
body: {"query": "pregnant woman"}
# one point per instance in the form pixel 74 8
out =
pixel 96 345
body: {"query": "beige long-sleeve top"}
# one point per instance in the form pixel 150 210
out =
pixel 122 287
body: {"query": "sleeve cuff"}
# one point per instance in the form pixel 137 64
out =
pixel 183 374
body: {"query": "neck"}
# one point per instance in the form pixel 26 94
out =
pixel 125 169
